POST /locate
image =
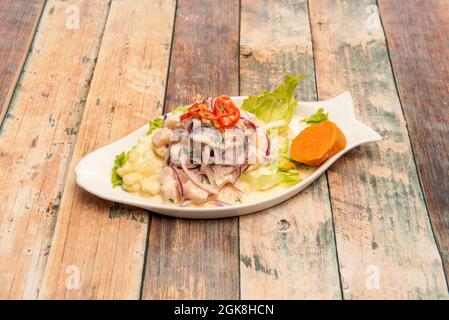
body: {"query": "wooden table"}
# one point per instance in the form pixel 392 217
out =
pixel 76 75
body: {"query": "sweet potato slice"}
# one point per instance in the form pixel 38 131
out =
pixel 317 143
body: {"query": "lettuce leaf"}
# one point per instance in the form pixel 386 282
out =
pixel 260 179
pixel 268 177
pixel 288 178
pixel 317 117
pixel 284 173
pixel 158 122
pixel 285 162
pixel 154 124
pixel 278 104
pixel 119 162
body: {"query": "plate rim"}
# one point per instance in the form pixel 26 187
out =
pixel 238 209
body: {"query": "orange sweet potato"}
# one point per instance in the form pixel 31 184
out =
pixel 317 143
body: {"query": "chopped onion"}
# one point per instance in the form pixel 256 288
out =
pixel 195 179
pixel 181 189
pixel 268 144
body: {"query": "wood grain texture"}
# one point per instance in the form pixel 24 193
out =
pixel 99 243
pixel 286 252
pixel 36 139
pixel 385 244
pixel 193 259
pixel 418 38
pixel 18 22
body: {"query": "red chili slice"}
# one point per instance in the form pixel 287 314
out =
pixel 225 114
pixel 226 111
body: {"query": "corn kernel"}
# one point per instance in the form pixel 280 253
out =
pixel 145 168
pixel 127 168
pixel 132 178
pixel 134 156
pixel 150 185
pixel 131 187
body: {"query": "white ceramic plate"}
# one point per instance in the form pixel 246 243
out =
pixel 93 172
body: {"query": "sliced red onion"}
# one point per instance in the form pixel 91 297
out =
pixel 192 166
pixel 234 177
pixel 219 203
pixel 181 188
pixel 210 102
pixel 249 123
pixel 195 179
pixel 268 145
pixel 190 127
pixel 236 188
pixel 167 155
pixel 243 169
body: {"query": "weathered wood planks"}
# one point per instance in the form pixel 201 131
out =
pixel 18 21
pixel 36 139
pixel 98 247
pixel 192 259
pixel 287 252
pixel 418 38
pixel 385 244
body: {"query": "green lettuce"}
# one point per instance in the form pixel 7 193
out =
pixel 284 174
pixel 119 162
pixel 317 117
pixel 268 177
pixel 275 105
pixel 154 124
pixel 285 162
pixel 157 122
pixel 287 178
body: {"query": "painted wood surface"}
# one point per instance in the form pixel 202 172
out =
pixel 385 245
pixel 103 250
pixel 418 38
pixel 194 259
pixel 286 252
pixel 98 248
pixel 18 21
pixel 36 139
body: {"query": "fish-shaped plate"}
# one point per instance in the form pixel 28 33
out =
pixel 93 172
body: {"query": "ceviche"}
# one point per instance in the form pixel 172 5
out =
pixel 215 153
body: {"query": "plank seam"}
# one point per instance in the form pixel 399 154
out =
pixel 327 178
pixel 335 237
pixel 147 247
pixel 446 272
pixel 19 73
pixel 71 152
pixel 169 57
pixel 145 257
pixel 238 220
